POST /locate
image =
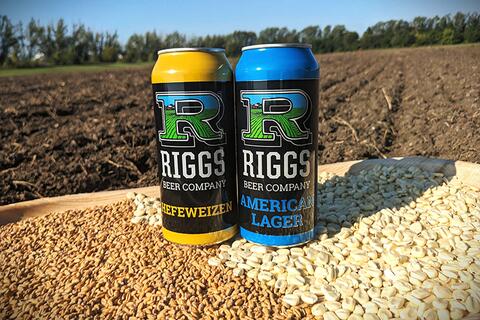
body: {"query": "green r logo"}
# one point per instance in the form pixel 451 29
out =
pixel 276 115
pixel 190 116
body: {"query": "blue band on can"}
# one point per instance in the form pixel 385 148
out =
pixel 277 64
pixel 270 240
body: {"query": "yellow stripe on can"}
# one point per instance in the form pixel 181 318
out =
pixel 200 238
pixel 191 66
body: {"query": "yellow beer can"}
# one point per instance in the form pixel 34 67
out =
pixel 194 119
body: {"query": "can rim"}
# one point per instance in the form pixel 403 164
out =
pixel 278 45
pixel 190 49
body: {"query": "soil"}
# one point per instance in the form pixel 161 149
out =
pixel 86 132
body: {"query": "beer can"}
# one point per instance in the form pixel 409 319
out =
pixel 194 119
pixel 276 88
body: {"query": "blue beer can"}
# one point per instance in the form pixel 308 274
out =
pixel 277 92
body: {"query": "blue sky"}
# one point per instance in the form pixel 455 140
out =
pixel 219 17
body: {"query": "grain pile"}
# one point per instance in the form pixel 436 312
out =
pixel 97 264
pixel 393 243
pixel 147 209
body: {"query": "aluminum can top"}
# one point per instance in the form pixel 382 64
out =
pixel 191 65
pixel 159 52
pixel 285 61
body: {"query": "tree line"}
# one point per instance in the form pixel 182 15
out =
pixel 57 44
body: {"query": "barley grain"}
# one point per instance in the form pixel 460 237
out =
pixel 318 309
pixel 95 264
pixel 291 299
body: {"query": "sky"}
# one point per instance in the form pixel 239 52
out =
pixel 222 16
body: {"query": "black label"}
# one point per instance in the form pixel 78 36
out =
pixel 196 155
pixel 277 127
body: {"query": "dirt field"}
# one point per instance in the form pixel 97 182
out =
pixel 87 132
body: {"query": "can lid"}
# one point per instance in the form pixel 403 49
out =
pixel 278 45
pixel 190 49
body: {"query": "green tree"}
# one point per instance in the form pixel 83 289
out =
pixel 8 38
pixel 195 42
pixel 419 24
pixel 268 35
pixel 438 29
pixel 97 46
pixel 371 39
pixel 47 42
pixel 350 40
pixel 402 35
pixel 214 41
pixel 311 35
pixel 134 47
pixel 17 55
pixel 238 39
pixel 448 36
pixel 340 39
pixel 153 43
pixel 458 24
pixel 175 40
pixel 422 30
pixel 472 28
pixel 111 48
pixel 60 55
pixel 82 44
pixel 33 36
pixel 277 35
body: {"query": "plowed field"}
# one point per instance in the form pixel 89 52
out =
pixel 87 132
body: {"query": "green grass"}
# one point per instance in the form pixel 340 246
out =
pixel 13 72
pixel 202 129
pixel 256 125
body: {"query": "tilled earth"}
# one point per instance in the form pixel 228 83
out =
pixel 88 132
